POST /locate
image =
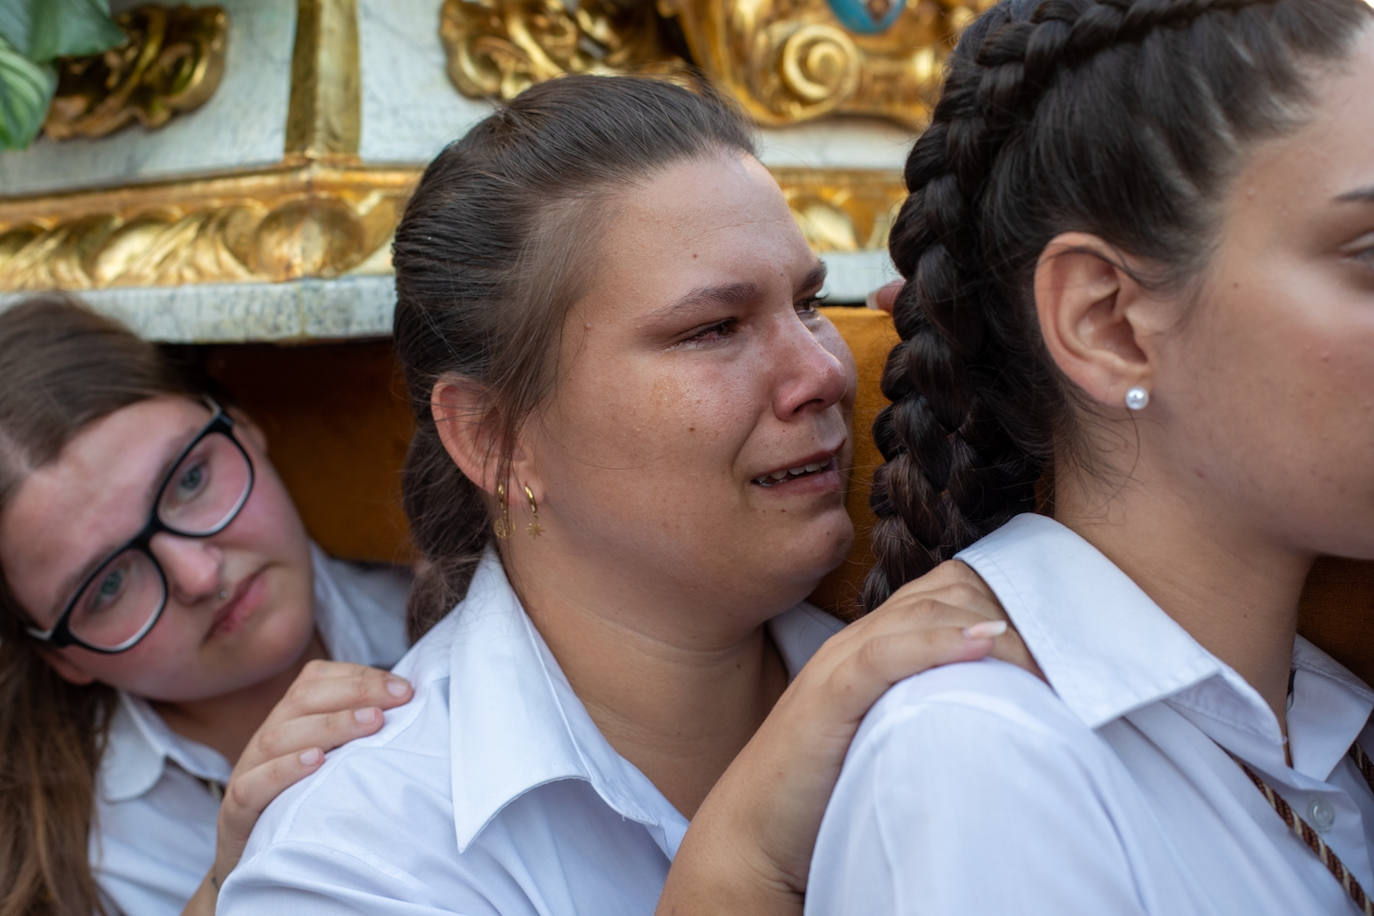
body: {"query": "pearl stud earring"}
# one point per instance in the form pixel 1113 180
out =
pixel 1137 398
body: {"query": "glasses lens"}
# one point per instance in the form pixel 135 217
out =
pixel 206 488
pixel 118 602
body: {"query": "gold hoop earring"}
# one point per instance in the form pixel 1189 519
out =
pixel 534 529
pixel 501 527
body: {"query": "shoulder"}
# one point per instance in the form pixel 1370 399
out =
pixel 995 693
pixel 403 770
pixel 975 717
pixel 977 756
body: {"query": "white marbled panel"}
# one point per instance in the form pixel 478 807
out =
pixel 242 125
pixel 346 307
pixel 340 308
pixel 411 109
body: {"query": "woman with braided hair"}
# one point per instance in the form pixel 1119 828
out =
pixel 1133 392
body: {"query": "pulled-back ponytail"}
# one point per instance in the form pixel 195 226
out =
pixel 1124 119
pixel 492 251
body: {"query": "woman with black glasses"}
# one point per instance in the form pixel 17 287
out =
pixel 165 626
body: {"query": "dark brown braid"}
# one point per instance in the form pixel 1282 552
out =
pixel 1116 118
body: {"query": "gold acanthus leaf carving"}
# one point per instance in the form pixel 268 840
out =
pixel 497 48
pixel 172 63
pixel 253 229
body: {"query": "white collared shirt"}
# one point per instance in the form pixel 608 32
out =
pixel 974 789
pixel 492 792
pixel 157 806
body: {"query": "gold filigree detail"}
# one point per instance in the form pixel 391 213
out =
pixel 497 48
pixel 313 220
pixel 172 63
pixel 279 224
pixel 785 61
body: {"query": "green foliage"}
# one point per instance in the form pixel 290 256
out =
pixel 26 90
pixel 32 33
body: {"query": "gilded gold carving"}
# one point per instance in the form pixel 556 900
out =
pixel 312 221
pixel 280 224
pixel 842 210
pixel 785 61
pixel 172 63
pixel 325 114
pixel 496 48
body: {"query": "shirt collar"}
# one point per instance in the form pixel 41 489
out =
pixel 1328 708
pixel 140 743
pixel 1104 646
pixel 1107 649
pixel 530 729
pixel 139 746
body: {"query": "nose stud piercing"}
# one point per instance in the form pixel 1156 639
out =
pixel 223 594
pixel 1137 398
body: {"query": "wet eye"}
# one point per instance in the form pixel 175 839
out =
pixel 807 306
pixel 711 333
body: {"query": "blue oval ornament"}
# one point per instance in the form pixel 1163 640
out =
pixel 867 17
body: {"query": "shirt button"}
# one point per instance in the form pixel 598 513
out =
pixel 1320 815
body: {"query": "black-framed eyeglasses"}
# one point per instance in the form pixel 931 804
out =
pixel 117 604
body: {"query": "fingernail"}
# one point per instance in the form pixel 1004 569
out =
pixel 366 716
pixel 985 630
pixel 312 756
pixel 397 687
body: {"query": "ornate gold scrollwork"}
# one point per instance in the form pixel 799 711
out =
pixel 272 226
pixel 785 61
pixel 792 60
pixel 315 220
pixel 172 63
pixel 496 48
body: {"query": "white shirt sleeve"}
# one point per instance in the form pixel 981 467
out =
pixel 315 879
pixel 972 790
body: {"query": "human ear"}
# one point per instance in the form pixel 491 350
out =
pixel 1094 317
pixel 467 428
pixel 65 668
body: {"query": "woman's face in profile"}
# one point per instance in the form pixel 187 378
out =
pixel 699 429
pixel 1268 384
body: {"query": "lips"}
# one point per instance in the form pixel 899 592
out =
pixel 239 606
pixel 812 464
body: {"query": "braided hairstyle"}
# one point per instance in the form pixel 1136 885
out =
pixel 495 246
pixel 1125 119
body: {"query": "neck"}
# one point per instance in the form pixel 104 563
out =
pixel 227 721
pixel 1235 591
pixel 679 702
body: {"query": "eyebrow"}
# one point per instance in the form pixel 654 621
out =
pixel 169 455
pixel 733 294
pixel 1358 196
